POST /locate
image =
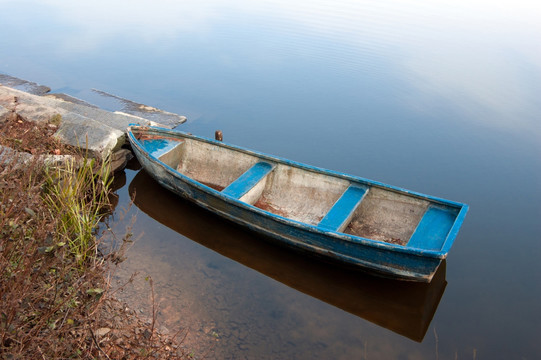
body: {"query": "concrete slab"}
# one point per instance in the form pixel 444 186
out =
pixel 87 133
pixel 81 124
pixel 69 98
pixel 19 159
pixel 126 106
pixel 24 85
pixel 4 113
pixel 113 120
pixel 30 107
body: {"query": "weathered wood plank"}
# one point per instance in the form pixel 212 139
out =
pixel 433 228
pixel 340 214
pixel 248 180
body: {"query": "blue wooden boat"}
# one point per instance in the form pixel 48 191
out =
pixel 382 228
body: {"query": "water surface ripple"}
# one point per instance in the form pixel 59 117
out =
pixel 438 97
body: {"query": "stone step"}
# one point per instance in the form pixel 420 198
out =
pixel 87 133
pixel 82 124
pixel 24 85
pixel 113 120
pixel 126 106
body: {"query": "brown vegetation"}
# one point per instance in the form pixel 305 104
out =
pixel 52 304
pixel 31 137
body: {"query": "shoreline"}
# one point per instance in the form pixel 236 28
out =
pixel 83 319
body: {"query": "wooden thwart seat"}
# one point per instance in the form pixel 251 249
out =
pixel 342 211
pixel 433 228
pixel 248 180
pixel 159 147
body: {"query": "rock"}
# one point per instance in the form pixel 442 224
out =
pixel 102 331
pixel 166 119
pixel 147 334
pixel 97 130
pixel 4 113
pixel 71 99
pixel 119 159
pixel 78 123
pixel 8 155
pixel 27 86
pixel 86 133
pixel 114 120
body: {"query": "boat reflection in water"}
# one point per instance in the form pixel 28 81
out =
pixel 403 307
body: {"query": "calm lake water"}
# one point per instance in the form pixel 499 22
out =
pixel 438 97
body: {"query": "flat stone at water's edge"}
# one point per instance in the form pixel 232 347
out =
pixel 75 129
pixel 87 133
pixel 126 106
pixel 24 85
pixel 82 124
pixel 4 113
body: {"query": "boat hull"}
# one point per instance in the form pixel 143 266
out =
pixel 382 258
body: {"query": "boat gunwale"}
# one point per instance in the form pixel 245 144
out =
pixel 440 254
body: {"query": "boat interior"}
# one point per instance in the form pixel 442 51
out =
pixel 329 202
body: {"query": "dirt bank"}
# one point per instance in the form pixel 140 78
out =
pixel 54 302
